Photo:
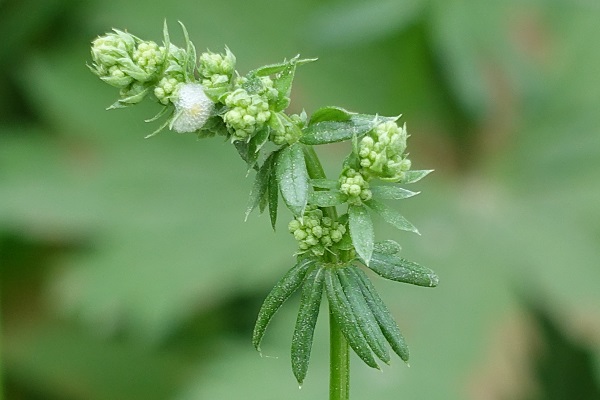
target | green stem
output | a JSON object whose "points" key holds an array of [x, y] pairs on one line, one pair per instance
{"points": [[339, 362], [339, 352]]}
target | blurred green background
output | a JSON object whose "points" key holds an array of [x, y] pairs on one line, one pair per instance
{"points": [[127, 272]]}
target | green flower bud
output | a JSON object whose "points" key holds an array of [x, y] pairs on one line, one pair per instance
{"points": [[150, 58], [212, 64], [314, 232], [120, 58], [353, 184], [381, 151], [247, 114]]}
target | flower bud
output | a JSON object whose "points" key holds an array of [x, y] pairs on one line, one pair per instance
{"points": [[355, 186], [381, 151], [247, 114], [315, 232]]}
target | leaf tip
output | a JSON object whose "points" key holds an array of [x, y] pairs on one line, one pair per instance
{"points": [[433, 280]]}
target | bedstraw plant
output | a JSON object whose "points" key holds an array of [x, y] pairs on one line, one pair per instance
{"points": [[331, 218]]}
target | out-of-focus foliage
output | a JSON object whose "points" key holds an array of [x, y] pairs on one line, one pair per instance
{"points": [[126, 273]]}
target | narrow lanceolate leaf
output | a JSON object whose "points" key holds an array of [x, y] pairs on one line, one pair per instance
{"points": [[392, 192], [391, 216], [249, 156], [258, 140], [398, 269], [384, 318], [259, 189], [361, 231], [278, 295], [302, 339], [415, 176], [387, 247], [273, 193], [292, 177], [335, 131], [364, 317], [330, 114], [327, 198], [324, 183], [345, 318]]}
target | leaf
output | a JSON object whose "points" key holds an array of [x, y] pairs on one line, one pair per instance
{"points": [[384, 318], [361, 231], [401, 270], [387, 247], [327, 198], [335, 131], [392, 192], [308, 314], [259, 189], [292, 177], [415, 176], [273, 192], [391, 216], [258, 140], [283, 83], [342, 312], [272, 69], [330, 114], [249, 156], [324, 183], [364, 317], [282, 290]]}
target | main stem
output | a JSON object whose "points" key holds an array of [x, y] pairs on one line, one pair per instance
{"points": [[339, 352]]}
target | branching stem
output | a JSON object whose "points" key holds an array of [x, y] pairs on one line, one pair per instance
{"points": [[339, 352]]}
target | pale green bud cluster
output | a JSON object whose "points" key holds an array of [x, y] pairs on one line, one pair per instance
{"points": [[216, 69], [292, 130], [149, 57], [287, 136], [247, 114], [381, 152], [173, 75], [353, 184], [314, 232], [128, 63]]}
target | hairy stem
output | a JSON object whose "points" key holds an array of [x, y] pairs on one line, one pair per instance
{"points": [[339, 352]]}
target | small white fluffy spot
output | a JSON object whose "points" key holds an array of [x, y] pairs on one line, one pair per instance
{"points": [[192, 108]]}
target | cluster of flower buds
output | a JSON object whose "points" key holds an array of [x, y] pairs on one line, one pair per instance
{"points": [[291, 131], [314, 232], [247, 113], [381, 152], [173, 75], [128, 63], [353, 184], [216, 69], [184, 83]]}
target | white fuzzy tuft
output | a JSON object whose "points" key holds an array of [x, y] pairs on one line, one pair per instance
{"points": [[192, 108]]}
